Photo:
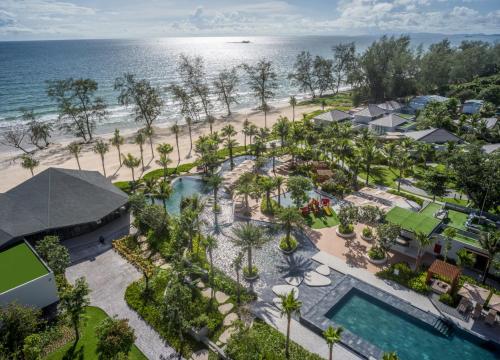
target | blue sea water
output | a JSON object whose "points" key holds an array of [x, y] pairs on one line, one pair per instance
{"points": [[26, 66]]}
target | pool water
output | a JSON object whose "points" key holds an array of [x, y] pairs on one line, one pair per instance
{"points": [[181, 188], [392, 330]]}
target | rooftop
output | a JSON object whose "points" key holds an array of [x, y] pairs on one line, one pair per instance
{"points": [[21, 264], [432, 135], [371, 110], [390, 120], [489, 148], [391, 105], [334, 115], [412, 221]]}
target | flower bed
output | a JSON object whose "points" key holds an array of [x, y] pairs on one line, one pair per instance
{"points": [[406, 277]]}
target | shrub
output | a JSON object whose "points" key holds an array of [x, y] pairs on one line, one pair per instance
{"points": [[132, 255], [447, 299], [376, 253], [406, 277], [263, 206], [419, 283], [250, 272], [346, 229], [293, 244], [367, 232]]}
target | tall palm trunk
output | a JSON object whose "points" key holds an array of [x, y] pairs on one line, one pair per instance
{"points": [[78, 162], [249, 255], [103, 168], [287, 346]]}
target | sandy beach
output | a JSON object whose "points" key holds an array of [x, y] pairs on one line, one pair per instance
{"points": [[56, 155]]}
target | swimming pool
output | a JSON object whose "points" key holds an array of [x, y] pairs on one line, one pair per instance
{"points": [[392, 330], [183, 187]]}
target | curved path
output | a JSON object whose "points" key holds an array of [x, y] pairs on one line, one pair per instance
{"points": [[108, 275]]}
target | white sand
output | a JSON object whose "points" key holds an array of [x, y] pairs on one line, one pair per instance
{"points": [[12, 174]]}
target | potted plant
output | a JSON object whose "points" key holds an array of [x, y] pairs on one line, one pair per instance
{"points": [[377, 256], [288, 218], [347, 216], [387, 234], [367, 234]]}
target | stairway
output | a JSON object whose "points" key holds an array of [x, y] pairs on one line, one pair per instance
{"points": [[443, 326]]}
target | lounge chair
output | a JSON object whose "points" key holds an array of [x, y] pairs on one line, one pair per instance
{"points": [[491, 318], [464, 305]]}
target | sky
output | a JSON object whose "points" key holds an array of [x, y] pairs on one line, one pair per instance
{"points": [[74, 19]]}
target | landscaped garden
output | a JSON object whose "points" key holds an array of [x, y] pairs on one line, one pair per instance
{"points": [[412, 221]]}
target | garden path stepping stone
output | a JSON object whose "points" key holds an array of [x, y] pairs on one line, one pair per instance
{"points": [[224, 337], [323, 270], [230, 319], [200, 285], [312, 278], [200, 355], [285, 289], [207, 293], [294, 280], [226, 308], [221, 297]]}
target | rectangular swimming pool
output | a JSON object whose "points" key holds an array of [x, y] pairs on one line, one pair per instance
{"points": [[392, 330]]}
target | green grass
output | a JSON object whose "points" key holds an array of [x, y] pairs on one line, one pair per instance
{"points": [[412, 221], [320, 222], [341, 101], [465, 239], [457, 219], [430, 209], [381, 175], [19, 265], [86, 347]]}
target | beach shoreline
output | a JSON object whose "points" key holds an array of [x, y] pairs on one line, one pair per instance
{"points": [[56, 155]]}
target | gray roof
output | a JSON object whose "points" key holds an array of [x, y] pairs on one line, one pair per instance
{"points": [[57, 198], [489, 148], [391, 120], [371, 110], [334, 115], [490, 122], [419, 102], [391, 105], [433, 136]]}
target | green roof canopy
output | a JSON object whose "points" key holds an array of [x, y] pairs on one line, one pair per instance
{"points": [[412, 221]]}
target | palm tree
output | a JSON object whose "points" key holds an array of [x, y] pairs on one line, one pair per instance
{"points": [[267, 184], [423, 240], [214, 182], [101, 148], [210, 121], [140, 139], [246, 127], [176, 130], [189, 122], [149, 132], [368, 151], [289, 306], [237, 262], [163, 191], [131, 162], [449, 234], [293, 103], [210, 243], [228, 132], [282, 129], [30, 163], [290, 217], [75, 149], [149, 187], [390, 356], [117, 141], [491, 243], [249, 237], [332, 336], [279, 180], [402, 162], [164, 161], [252, 131]]}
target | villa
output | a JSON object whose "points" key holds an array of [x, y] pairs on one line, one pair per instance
{"points": [[432, 136], [331, 116], [472, 106], [392, 106], [490, 148], [391, 123], [420, 102], [369, 113]]}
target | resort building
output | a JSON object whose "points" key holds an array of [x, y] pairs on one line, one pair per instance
{"points": [[331, 117], [432, 136], [369, 113], [25, 279], [490, 148], [61, 202], [472, 106], [420, 102], [391, 123], [391, 106]]}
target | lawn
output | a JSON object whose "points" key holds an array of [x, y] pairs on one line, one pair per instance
{"points": [[320, 222], [381, 175], [341, 101], [19, 265], [412, 221], [85, 349], [430, 209], [457, 219]]}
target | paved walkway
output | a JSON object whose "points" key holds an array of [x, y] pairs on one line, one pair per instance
{"points": [[108, 275], [420, 301], [299, 333]]}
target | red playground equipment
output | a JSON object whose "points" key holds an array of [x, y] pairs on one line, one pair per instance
{"points": [[316, 207]]}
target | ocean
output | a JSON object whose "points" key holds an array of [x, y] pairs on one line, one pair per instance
{"points": [[26, 66]]}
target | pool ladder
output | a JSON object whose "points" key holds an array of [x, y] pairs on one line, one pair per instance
{"points": [[443, 327]]}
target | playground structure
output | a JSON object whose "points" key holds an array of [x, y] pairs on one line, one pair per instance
{"points": [[317, 208]]}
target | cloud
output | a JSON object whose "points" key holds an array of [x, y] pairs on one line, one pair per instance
{"points": [[6, 19]]}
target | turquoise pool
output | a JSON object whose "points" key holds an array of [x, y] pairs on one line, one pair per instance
{"points": [[181, 188], [392, 330]]}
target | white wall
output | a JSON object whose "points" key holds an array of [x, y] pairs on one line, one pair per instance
{"points": [[39, 292]]}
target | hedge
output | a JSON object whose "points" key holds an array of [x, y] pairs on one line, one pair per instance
{"points": [[407, 277]]}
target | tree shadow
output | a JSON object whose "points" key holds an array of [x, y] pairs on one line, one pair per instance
{"points": [[294, 265], [75, 352]]}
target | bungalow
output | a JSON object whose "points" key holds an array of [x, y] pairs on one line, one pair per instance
{"points": [[472, 106], [490, 123], [391, 106], [59, 202], [433, 136], [369, 113], [331, 116], [390, 123], [420, 102], [490, 148]]}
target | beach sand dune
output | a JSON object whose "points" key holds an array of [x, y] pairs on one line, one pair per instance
{"points": [[12, 174]]}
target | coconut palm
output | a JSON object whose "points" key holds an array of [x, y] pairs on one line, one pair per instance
{"points": [[368, 152], [423, 240], [245, 131], [149, 187], [75, 149], [210, 243], [101, 148], [140, 139], [293, 103], [214, 183], [449, 234], [252, 131], [117, 141], [164, 161], [290, 306], [402, 162], [237, 263], [176, 130], [490, 242], [288, 218], [279, 180], [131, 162], [282, 128], [162, 191], [267, 184], [332, 336], [248, 237], [30, 163], [164, 150]]}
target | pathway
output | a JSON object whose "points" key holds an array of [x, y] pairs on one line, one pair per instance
{"points": [[108, 275]]}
